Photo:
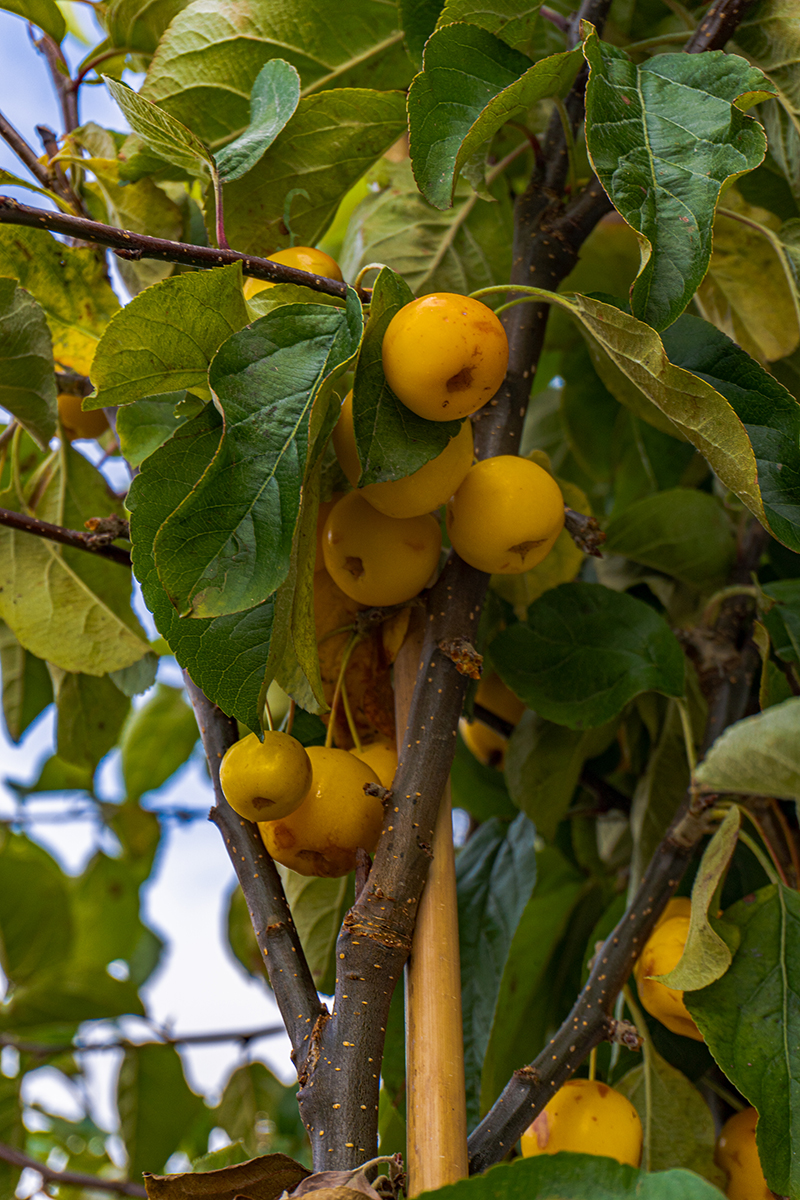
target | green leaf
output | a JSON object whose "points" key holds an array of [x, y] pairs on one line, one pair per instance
{"points": [[156, 1106], [567, 1176], [70, 284], [228, 546], [783, 621], [91, 712], [682, 1127], [318, 906], [480, 790], [64, 605], [251, 1094], [525, 1001], [44, 13], [751, 1024], [157, 741], [209, 58], [681, 532], [464, 248], [139, 24], [35, 909], [273, 100], [664, 174], [106, 915], [706, 956], [65, 998], [470, 85], [418, 18], [769, 413], [543, 765], [143, 427], [585, 652], [495, 875], [392, 441], [332, 139], [138, 677], [510, 20], [165, 338], [56, 775], [758, 756], [225, 656], [27, 382], [165, 136], [27, 689], [12, 1132]]}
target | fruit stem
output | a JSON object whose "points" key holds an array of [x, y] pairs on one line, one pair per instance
{"points": [[765, 863], [290, 716], [348, 650], [569, 143], [688, 735], [593, 1064], [268, 715], [759, 828], [349, 714], [641, 1025]]}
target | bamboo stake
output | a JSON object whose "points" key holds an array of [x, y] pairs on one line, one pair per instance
{"points": [[435, 1100]]}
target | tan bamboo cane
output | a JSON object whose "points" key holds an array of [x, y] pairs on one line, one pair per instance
{"points": [[435, 1101]]}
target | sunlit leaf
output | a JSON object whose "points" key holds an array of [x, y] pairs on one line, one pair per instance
{"points": [[160, 132], [44, 13], [27, 689], [758, 756], [157, 741], [510, 20], [156, 1106]]}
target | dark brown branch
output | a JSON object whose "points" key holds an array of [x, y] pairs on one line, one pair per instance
{"points": [[718, 25], [70, 1178], [139, 245], [278, 941], [26, 154], [62, 184], [66, 537], [48, 1049]]}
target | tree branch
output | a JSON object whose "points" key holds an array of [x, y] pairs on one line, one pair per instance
{"points": [[48, 1049], [139, 245], [93, 542], [26, 154], [62, 80], [289, 974], [718, 25], [71, 1178]]}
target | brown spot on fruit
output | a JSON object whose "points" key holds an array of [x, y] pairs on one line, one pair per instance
{"points": [[263, 802], [461, 381], [284, 838], [524, 548], [354, 565]]}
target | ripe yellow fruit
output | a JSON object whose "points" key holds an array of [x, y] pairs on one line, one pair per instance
{"points": [[428, 488], [335, 818], [737, 1154], [375, 559], [76, 422], [586, 1117], [265, 779], [661, 953], [444, 355], [325, 509], [382, 757], [487, 744], [506, 516], [303, 258]]}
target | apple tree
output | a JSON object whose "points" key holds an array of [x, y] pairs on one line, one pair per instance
{"points": [[616, 722]]}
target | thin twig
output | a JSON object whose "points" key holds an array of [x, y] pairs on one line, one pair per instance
{"points": [[139, 245], [65, 537], [70, 1178], [48, 1050], [718, 25]]}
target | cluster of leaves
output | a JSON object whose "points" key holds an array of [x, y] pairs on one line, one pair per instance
{"points": [[650, 416]]}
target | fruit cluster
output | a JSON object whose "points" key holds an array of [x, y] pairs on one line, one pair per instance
{"points": [[444, 356]]}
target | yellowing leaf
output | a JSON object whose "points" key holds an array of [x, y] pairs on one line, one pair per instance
{"points": [[749, 292]]}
